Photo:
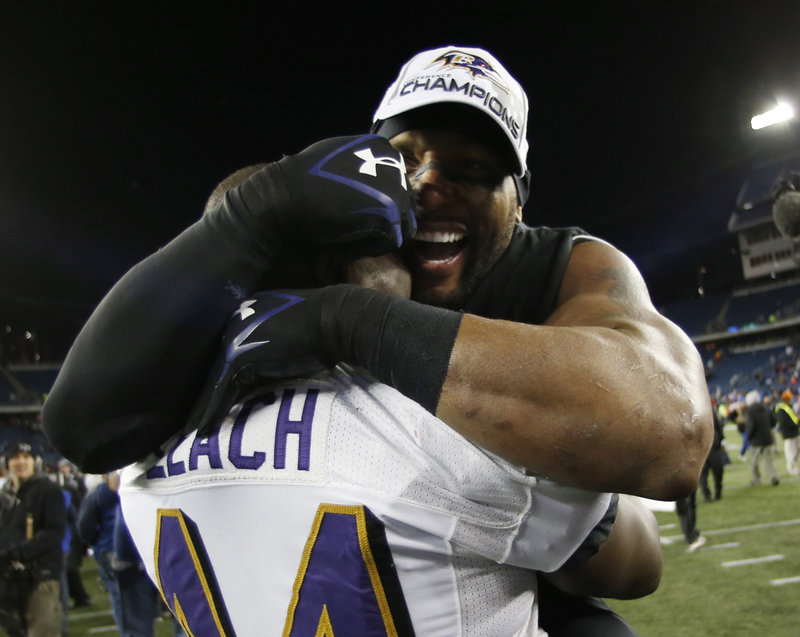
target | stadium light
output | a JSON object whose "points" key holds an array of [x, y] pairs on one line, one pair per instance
{"points": [[780, 113]]}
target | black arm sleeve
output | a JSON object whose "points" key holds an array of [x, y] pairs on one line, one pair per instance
{"points": [[136, 367]]}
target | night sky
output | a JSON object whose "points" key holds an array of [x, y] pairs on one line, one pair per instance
{"points": [[117, 120]]}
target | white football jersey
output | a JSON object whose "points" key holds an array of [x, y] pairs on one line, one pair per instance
{"points": [[336, 506]]}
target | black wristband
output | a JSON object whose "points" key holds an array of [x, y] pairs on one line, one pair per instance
{"points": [[404, 344]]}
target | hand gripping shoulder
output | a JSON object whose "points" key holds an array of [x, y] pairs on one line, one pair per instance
{"points": [[351, 190]]}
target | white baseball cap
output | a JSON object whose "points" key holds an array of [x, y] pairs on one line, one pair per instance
{"points": [[461, 75]]}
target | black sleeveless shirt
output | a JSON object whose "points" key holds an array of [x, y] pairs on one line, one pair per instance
{"points": [[523, 285]]}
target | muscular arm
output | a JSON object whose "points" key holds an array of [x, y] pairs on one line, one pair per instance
{"points": [[627, 565], [137, 366], [607, 395]]}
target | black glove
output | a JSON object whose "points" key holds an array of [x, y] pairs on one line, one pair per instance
{"points": [[346, 191], [350, 190], [297, 333], [271, 336]]}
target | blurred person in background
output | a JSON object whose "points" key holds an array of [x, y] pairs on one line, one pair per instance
{"points": [[758, 423], [32, 526], [686, 508], [96, 519], [789, 428], [715, 463], [140, 601], [736, 413], [72, 482]]}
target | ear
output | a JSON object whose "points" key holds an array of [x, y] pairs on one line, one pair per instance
{"points": [[523, 185]]}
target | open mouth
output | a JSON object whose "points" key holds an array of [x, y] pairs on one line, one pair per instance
{"points": [[437, 246]]}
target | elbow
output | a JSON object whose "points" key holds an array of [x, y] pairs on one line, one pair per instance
{"points": [[649, 577], [65, 422], [66, 435], [646, 559], [682, 457], [650, 584], [59, 429], [679, 476], [99, 437], [676, 488], [646, 583], [89, 447]]}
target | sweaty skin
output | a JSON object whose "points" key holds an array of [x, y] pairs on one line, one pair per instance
{"points": [[607, 394]]}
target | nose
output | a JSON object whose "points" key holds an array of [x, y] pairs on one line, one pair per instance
{"points": [[431, 185]]}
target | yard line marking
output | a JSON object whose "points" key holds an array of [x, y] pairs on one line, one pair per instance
{"points": [[102, 629], [88, 614], [729, 545], [753, 560], [785, 580], [665, 527], [752, 527]]}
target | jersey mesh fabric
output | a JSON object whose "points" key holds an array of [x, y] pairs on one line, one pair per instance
{"points": [[452, 513], [486, 588], [418, 459]]}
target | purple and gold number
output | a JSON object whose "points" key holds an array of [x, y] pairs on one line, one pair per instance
{"points": [[185, 577], [347, 583]]}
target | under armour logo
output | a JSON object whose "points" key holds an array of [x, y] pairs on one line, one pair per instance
{"points": [[370, 165], [245, 310]]}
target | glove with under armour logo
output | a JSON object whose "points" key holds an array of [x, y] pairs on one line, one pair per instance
{"points": [[298, 333], [345, 191], [351, 190]]}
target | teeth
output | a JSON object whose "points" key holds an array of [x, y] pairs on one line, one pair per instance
{"points": [[438, 237]]}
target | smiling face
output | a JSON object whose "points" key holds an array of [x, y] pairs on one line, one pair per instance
{"points": [[21, 466], [466, 209]]}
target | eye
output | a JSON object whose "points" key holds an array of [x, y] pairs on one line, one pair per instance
{"points": [[475, 166], [411, 163], [480, 170]]}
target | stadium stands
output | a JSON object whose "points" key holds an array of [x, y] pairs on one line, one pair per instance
{"points": [[748, 339], [23, 389]]}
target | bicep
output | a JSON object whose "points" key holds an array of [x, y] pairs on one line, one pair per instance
{"points": [[603, 288], [604, 293], [582, 397]]}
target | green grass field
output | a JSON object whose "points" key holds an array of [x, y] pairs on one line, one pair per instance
{"points": [[97, 619], [732, 585], [712, 592]]}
